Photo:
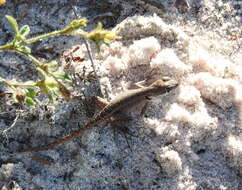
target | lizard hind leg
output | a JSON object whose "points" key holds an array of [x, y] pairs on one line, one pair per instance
{"points": [[117, 130], [116, 121], [118, 126]]}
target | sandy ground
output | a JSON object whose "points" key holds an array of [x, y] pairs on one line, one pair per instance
{"points": [[190, 138]]}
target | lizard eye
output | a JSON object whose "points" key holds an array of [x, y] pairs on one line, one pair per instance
{"points": [[147, 98], [165, 78]]}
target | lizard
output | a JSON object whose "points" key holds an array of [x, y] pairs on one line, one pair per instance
{"points": [[125, 100]]}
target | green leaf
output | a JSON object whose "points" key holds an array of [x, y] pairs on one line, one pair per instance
{"points": [[12, 21], [24, 31], [63, 76], [31, 92], [30, 101]]}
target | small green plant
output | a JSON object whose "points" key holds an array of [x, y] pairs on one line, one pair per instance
{"points": [[52, 82]]}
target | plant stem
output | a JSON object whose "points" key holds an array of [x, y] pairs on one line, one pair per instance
{"points": [[41, 37], [51, 34], [33, 59], [16, 84], [7, 46]]}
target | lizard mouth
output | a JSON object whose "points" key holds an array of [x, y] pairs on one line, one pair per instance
{"points": [[172, 83]]}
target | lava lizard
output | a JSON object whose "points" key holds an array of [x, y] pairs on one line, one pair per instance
{"points": [[127, 99]]}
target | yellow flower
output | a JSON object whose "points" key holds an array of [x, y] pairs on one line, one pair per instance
{"points": [[100, 35]]}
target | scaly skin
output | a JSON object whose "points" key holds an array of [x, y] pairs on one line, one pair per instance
{"points": [[127, 99]]}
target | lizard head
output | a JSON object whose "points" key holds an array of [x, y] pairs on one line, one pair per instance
{"points": [[169, 82], [163, 86]]}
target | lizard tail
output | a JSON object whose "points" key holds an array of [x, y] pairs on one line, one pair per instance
{"points": [[58, 141]]}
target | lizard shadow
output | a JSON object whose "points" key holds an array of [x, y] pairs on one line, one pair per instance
{"points": [[140, 148]]}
